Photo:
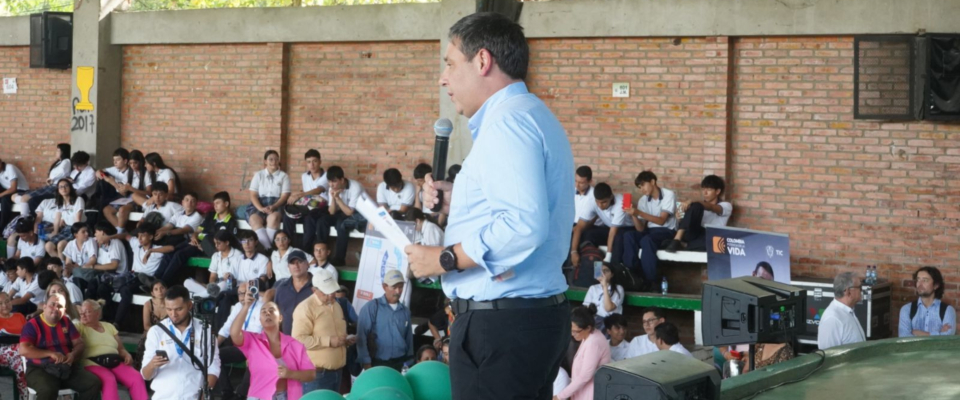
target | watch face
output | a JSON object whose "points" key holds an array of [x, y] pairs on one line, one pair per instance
{"points": [[448, 260]]}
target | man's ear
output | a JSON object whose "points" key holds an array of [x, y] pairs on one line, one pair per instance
{"points": [[483, 61]]}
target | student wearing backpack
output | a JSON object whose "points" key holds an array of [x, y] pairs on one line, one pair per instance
{"points": [[928, 315]]}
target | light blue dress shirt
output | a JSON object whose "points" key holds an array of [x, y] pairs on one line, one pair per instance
{"points": [[927, 319], [511, 205]]}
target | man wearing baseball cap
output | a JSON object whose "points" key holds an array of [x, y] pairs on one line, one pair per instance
{"points": [[318, 323], [384, 333], [288, 293]]}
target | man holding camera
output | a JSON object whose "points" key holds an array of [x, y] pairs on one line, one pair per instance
{"points": [[170, 366]]}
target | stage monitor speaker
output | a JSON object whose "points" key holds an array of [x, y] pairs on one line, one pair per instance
{"points": [[750, 310], [51, 40], [664, 375]]}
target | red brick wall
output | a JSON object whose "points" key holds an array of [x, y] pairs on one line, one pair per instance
{"points": [[365, 106], [850, 193], [35, 119], [673, 122], [210, 110]]}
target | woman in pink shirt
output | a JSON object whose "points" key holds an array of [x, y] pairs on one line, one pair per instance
{"points": [[278, 363], [593, 353]]}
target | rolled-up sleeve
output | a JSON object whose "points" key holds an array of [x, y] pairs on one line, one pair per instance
{"points": [[513, 182]]}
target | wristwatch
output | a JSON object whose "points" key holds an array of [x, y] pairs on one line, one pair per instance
{"points": [[448, 259]]}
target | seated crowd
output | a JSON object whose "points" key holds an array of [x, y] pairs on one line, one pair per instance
{"points": [[279, 305]]}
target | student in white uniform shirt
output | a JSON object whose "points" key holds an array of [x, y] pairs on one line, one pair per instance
{"points": [[118, 210], [174, 376], [25, 291], [647, 343], [278, 259], [9, 275], [321, 261], [70, 207], [655, 223], [159, 204], [607, 296], [82, 178], [710, 210], [668, 338], [81, 252], [12, 182], [55, 265], [60, 169], [269, 191], [29, 245], [146, 261], [46, 214], [111, 181], [313, 197], [344, 194], [839, 325], [156, 171], [419, 177], [223, 265], [394, 193], [428, 233], [616, 326], [182, 224], [111, 259], [583, 199], [608, 208], [252, 266]]}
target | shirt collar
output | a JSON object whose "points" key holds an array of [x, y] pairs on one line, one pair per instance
{"points": [[589, 188], [659, 195], [843, 307], [500, 96], [244, 255]]}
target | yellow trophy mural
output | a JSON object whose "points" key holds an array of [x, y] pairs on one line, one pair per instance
{"points": [[84, 83]]}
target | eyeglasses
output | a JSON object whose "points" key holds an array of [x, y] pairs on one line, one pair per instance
{"points": [[651, 321], [248, 241]]}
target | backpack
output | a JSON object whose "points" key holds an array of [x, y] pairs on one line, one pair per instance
{"points": [[623, 277], [583, 273], [915, 304]]}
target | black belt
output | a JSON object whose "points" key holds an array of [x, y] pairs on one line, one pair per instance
{"points": [[461, 306]]}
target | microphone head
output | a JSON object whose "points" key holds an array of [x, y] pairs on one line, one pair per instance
{"points": [[443, 127], [213, 289]]}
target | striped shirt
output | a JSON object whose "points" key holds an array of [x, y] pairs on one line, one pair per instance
{"points": [[58, 337]]}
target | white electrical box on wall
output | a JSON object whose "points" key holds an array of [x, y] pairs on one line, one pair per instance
{"points": [[621, 89]]}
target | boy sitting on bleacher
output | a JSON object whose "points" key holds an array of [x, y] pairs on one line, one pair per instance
{"points": [[146, 261], [711, 210], [165, 209], [201, 243], [180, 227]]}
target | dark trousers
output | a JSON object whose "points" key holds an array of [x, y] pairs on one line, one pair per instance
{"points": [[694, 234], [86, 384], [508, 354], [129, 288], [25, 308], [229, 354], [395, 363], [106, 192], [174, 261], [309, 237], [225, 301], [6, 207], [598, 236], [344, 225], [649, 240]]}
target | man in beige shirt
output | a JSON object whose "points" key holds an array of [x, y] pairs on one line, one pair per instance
{"points": [[319, 324]]}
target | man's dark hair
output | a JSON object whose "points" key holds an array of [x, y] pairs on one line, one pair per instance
{"points": [[502, 37], [602, 191], [765, 265], [584, 171], [615, 320], [45, 278], [312, 153], [122, 153], [334, 173], [644, 177], [160, 187], [937, 279], [244, 234], [393, 178], [222, 196], [713, 182], [657, 312], [80, 158], [147, 228], [192, 194], [177, 292], [10, 265], [27, 264], [24, 225], [421, 170], [584, 317], [53, 261], [668, 333], [413, 214], [106, 227]]}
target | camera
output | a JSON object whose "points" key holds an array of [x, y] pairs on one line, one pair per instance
{"points": [[204, 306], [254, 287]]}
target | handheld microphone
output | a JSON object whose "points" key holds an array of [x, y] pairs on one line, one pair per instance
{"points": [[442, 128]]}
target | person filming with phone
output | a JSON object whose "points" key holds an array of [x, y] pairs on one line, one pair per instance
{"points": [[170, 366]]}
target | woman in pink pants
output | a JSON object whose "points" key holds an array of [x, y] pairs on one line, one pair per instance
{"points": [[105, 357]]}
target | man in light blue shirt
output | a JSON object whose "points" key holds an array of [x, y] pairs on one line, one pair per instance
{"points": [[928, 315], [509, 223]]}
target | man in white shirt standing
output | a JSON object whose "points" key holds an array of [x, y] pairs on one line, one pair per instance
{"points": [[839, 325], [174, 375], [654, 222]]}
